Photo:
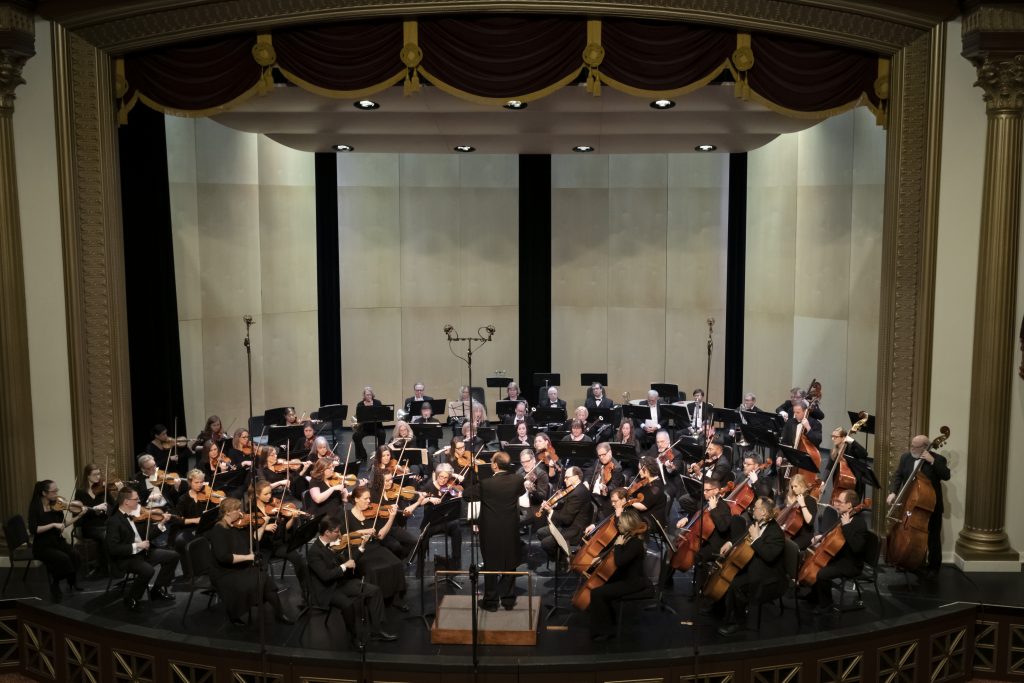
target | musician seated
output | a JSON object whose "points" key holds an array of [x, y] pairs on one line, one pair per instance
{"points": [[649, 428], [596, 398], [853, 449], [274, 541], [757, 477], [604, 476], [669, 463], [570, 516], [153, 492], [321, 450], [473, 443], [537, 488], [798, 495], [384, 489], [581, 414], [848, 563], [240, 450], [130, 552], [514, 393], [576, 434], [213, 462], [166, 451], [764, 576], [190, 509], [546, 456], [628, 553], [441, 488], [308, 435], [617, 498], [714, 466], [654, 504], [362, 428], [418, 394], [552, 400], [721, 516], [426, 416], [333, 582], [522, 437], [402, 435], [521, 415], [287, 481]]}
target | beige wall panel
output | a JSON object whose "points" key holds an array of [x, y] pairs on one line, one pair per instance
{"points": [[371, 351], [636, 346], [429, 170], [686, 335], [185, 243], [181, 149], [224, 155], [579, 170], [956, 272], [502, 353], [773, 165], [430, 256], [288, 247], [824, 152], [579, 343], [489, 242], [697, 240], [820, 353], [637, 248], [823, 250], [224, 370], [865, 295], [280, 165], [767, 356], [292, 375], [698, 170], [489, 170], [228, 238], [193, 383], [367, 170], [771, 251], [868, 149], [579, 246], [369, 243], [638, 170], [425, 354]]}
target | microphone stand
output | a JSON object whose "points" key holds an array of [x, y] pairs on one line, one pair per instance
{"points": [[248, 361], [711, 346], [474, 569]]}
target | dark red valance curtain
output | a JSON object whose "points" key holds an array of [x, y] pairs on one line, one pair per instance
{"points": [[342, 57]]}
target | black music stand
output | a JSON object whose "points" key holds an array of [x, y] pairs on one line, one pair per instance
{"points": [[275, 416], [427, 432], [207, 520], [549, 416], [542, 381], [487, 434], [867, 430], [679, 415], [286, 436], [604, 415], [798, 458], [503, 408], [515, 449], [624, 452], [499, 382], [508, 432], [335, 415], [437, 407], [374, 415], [666, 391], [579, 453], [637, 412], [863, 471]]}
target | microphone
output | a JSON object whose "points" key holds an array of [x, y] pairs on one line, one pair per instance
{"points": [[490, 330], [448, 329], [247, 319]]}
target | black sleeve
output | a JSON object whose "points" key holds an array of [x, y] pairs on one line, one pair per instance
{"points": [[814, 435], [940, 469], [618, 478], [722, 517], [325, 571], [566, 515], [770, 543], [628, 552], [856, 533], [899, 475]]}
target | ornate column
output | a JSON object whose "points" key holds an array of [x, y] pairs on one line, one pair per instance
{"points": [[17, 454], [988, 32]]}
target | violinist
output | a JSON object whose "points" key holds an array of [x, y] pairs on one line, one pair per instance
{"points": [[669, 463], [362, 428], [385, 462], [796, 396], [934, 468], [426, 416], [165, 451], [95, 496], [48, 516], [213, 431], [576, 433], [764, 576], [384, 489], [290, 418], [308, 436], [402, 435], [853, 450], [191, 506], [722, 518], [130, 552], [479, 416], [322, 451], [332, 582], [152, 491], [274, 541], [536, 487], [287, 479], [547, 457], [628, 579], [212, 461], [848, 563], [604, 477], [570, 516], [520, 416], [714, 466], [473, 443], [378, 564], [654, 504], [326, 497], [234, 573], [240, 450], [441, 488], [596, 398], [799, 495]]}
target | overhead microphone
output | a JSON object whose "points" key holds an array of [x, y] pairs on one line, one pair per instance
{"points": [[247, 319]]}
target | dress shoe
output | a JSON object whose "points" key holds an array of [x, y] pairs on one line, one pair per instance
{"points": [[283, 618], [509, 606], [400, 606], [384, 636], [728, 629], [490, 607], [358, 644], [132, 604], [160, 595]]}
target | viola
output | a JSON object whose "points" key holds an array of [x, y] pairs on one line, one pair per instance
{"points": [[155, 515], [606, 471], [340, 480], [248, 520], [394, 492], [276, 508], [377, 510], [346, 541], [160, 477], [828, 547], [210, 496], [556, 498], [284, 465], [62, 505], [548, 457]]}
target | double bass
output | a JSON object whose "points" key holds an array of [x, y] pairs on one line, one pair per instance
{"points": [[844, 478], [828, 547], [906, 544]]}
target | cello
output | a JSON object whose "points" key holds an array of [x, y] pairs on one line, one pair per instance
{"points": [[844, 478], [696, 532], [906, 544], [602, 569], [604, 535], [828, 547], [730, 566]]}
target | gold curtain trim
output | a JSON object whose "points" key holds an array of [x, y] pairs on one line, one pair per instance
{"points": [[343, 94], [263, 54], [819, 115], [479, 99], [593, 55], [741, 61], [125, 109], [200, 113], [412, 56], [881, 86], [655, 94]]}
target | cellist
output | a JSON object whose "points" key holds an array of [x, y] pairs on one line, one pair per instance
{"points": [[721, 515], [935, 469], [764, 576], [848, 563], [628, 555]]}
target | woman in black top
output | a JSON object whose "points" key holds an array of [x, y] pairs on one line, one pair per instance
{"points": [[166, 452], [799, 495], [400, 541], [378, 564], [277, 531], [325, 498], [93, 493], [290, 482], [653, 507], [48, 545], [236, 578], [628, 579]]}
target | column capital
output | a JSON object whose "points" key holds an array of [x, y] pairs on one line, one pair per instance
{"points": [[992, 35], [17, 44], [1001, 77]]}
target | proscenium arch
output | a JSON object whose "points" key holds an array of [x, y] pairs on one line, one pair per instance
{"points": [[86, 44]]}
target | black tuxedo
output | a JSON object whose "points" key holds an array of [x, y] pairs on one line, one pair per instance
{"points": [[121, 550], [789, 431], [510, 419], [591, 404], [787, 408], [546, 403], [704, 413], [331, 584], [936, 474], [499, 532], [594, 477], [571, 517], [764, 577], [847, 563]]}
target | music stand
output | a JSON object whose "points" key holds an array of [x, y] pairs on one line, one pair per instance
{"points": [[578, 453], [335, 412], [286, 436], [514, 449], [726, 416], [588, 378], [867, 430], [499, 383], [427, 431], [863, 471], [487, 434], [437, 407], [666, 390], [547, 379], [556, 436], [275, 416], [207, 520], [549, 415], [767, 422], [798, 458], [503, 408], [624, 452], [679, 415], [376, 416], [637, 412]]}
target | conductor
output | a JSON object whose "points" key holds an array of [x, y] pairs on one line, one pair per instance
{"points": [[499, 530]]}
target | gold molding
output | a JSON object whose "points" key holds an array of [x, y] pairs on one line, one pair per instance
{"points": [[14, 18], [843, 23], [93, 252], [989, 18]]}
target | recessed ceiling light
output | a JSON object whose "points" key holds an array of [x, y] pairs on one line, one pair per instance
{"points": [[345, 148], [583, 148], [515, 104], [662, 104], [705, 148], [365, 104], [464, 148]]}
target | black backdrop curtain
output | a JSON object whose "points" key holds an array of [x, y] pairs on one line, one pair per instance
{"points": [[153, 346]]}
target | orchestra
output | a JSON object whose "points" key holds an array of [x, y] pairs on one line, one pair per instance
{"points": [[726, 515]]}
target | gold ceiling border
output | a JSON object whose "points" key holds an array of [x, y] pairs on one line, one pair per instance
{"points": [[90, 194]]}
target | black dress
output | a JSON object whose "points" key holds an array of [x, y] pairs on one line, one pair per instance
{"points": [[93, 524], [334, 504], [49, 547], [378, 564], [803, 537], [238, 584], [628, 579]]}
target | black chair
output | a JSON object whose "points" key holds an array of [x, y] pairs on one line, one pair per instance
{"points": [[791, 562], [199, 556], [18, 547], [650, 597], [872, 550], [125, 579], [310, 608]]}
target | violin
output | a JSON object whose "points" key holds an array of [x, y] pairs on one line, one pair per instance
{"points": [[211, 496], [275, 508], [152, 515], [339, 480], [548, 457], [377, 510], [606, 471], [453, 490], [62, 505], [346, 541], [394, 492], [248, 520], [160, 477], [284, 465], [180, 442], [101, 486]]}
